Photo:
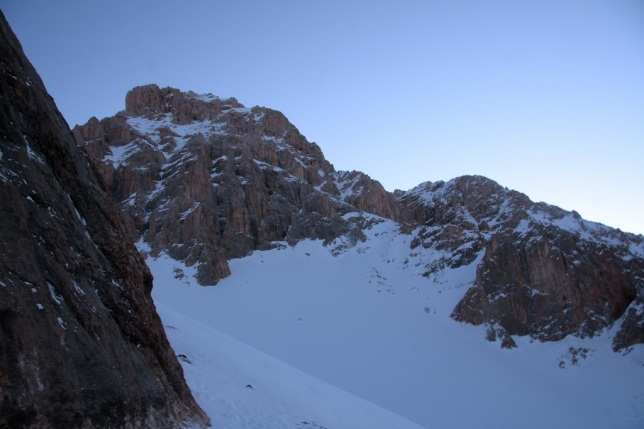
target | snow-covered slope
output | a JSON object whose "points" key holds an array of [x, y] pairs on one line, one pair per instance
{"points": [[362, 318], [373, 306], [242, 388]]}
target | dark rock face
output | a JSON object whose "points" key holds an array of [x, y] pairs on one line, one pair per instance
{"points": [[81, 345], [632, 329], [206, 179], [543, 272], [458, 217], [547, 288]]}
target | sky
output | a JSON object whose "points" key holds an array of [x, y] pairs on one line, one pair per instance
{"points": [[546, 97]]}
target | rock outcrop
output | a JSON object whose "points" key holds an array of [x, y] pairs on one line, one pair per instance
{"points": [[81, 345], [206, 179], [541, 271]]}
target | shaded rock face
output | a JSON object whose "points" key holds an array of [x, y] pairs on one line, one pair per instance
{"points": [[547, 288], [457, 218], [81, 345], [206, 179], [541, 271]]}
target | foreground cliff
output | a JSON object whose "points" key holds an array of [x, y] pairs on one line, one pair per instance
{"points": [[81, 345]]}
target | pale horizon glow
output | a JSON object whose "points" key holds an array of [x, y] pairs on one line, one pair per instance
{"points": [[546, 98]]}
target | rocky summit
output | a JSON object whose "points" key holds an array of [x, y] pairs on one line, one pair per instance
{"points": [[81, 344], [204, 179]]}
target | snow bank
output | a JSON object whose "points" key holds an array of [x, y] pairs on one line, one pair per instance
{"points": [[367, 322]]}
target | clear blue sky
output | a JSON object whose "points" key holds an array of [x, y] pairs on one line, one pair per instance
{"points": [[546, 97]]}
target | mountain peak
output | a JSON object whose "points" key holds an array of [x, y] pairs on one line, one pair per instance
{"points": [[205, 180], [151, 100]]}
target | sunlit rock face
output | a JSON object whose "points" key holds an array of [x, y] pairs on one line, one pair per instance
{"points": [[81, 345], [205, 179]]}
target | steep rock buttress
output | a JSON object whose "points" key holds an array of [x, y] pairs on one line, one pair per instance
{"points": [[81, 345]]}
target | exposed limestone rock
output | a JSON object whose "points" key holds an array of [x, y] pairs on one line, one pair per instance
{"points": [[81, 345], [547, 287], [364, 193], [206, 179], [543, 271]]}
